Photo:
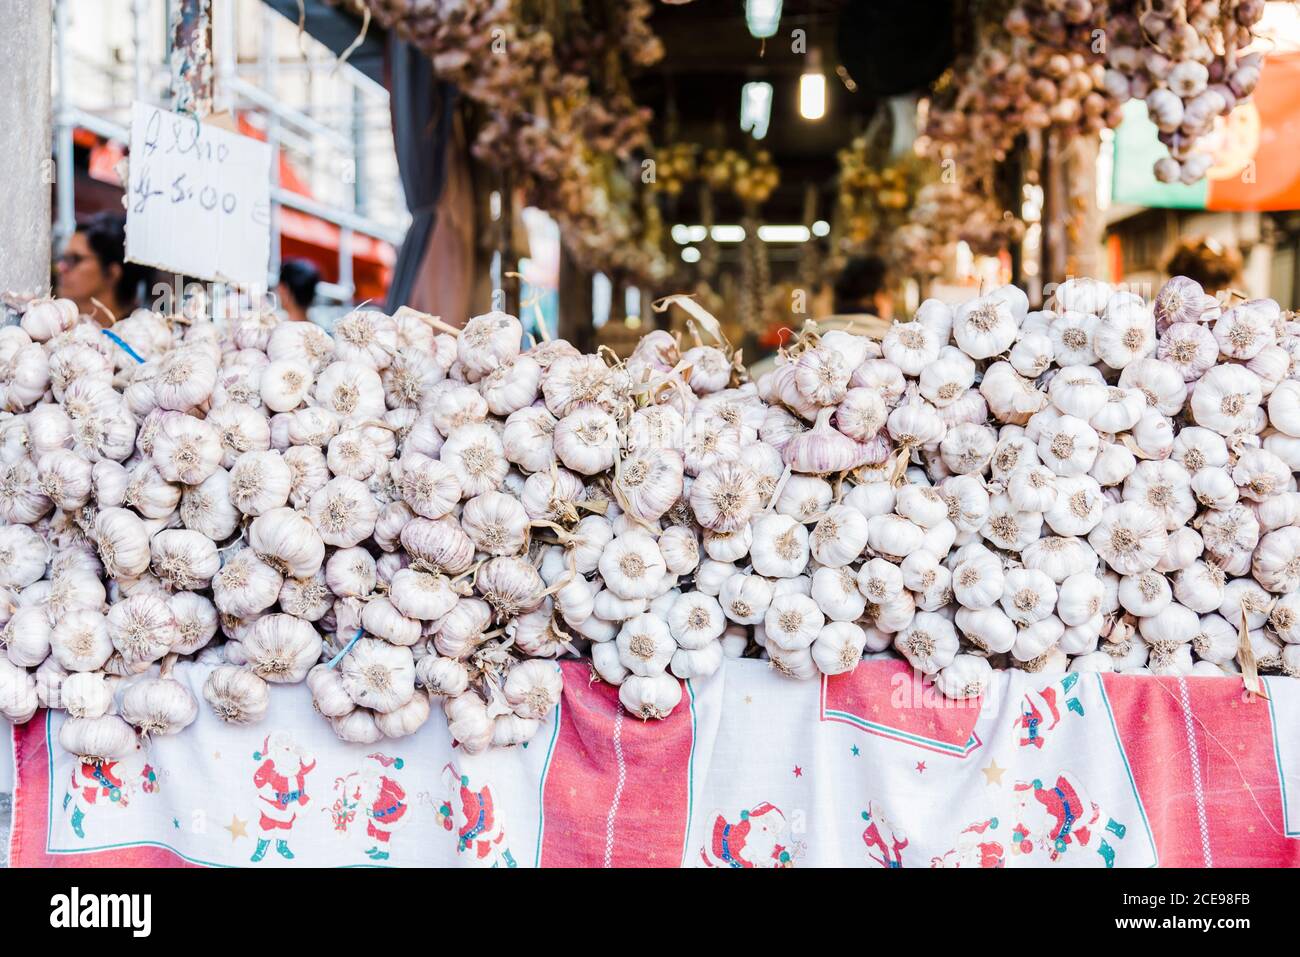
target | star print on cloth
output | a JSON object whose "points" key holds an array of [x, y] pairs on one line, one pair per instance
{"points": [[237, 828], [176, 824], [856, 750], [993, 773], [798, 771], [920, 767]]}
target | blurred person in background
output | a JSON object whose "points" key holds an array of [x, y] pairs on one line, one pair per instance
{"points": [[297, 288], [93, 269], [1215, 266], [862, 301], [862, 288]]}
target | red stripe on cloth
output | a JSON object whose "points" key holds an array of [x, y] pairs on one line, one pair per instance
{"points": [[588, 819], [889, 698], [1240, 785], [31, 820]]}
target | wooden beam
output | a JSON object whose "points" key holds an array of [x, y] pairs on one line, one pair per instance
{"points": [[575, 303]]}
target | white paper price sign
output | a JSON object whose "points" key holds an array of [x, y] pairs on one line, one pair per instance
{"points": [[198, 200]]}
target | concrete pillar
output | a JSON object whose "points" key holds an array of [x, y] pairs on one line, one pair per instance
{"points": [[25, 141]]}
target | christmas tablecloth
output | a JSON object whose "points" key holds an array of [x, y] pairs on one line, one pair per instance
{"points": [[871, 769]]}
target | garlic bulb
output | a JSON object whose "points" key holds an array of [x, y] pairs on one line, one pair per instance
{"points": [[476, 458], [237, 696], [18, 700], [632, 565], [86, 694], [281, 649], [984, 327], [186, 449], [1225, 398], [695, 620], [680, 550], [838, 647], [357, 726], [654, 696], [405, 720], [79, 640], [343, 512], [142, 628], [792, 622], [840, 536], [184, 559], [967, 676], [533, 688], [421, 595], [97, 740], [288, 542], [378, 675], [259, 482], [1129, 538], [780, 548], [328, 694], [122, 542], [510, 585], [245, 585], [929, 643], [427, 485], [379, 617], [835, 591], [159, 706], [645, 645]]}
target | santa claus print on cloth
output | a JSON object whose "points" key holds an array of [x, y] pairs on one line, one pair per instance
{"points": [[105, 784], [977, 846], [885, 842], [384, 800], [472, 816], [373, 791], [93, 783], [760, 838], [281, 783], [1057, 816], [1042, 710]]}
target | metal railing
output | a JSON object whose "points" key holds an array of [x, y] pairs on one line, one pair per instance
{"points": [[285, 126]]}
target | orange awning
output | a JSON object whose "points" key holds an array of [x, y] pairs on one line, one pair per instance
{"points": [[308, 237]]}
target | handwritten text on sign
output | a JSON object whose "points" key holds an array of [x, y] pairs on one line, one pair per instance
{"points": [[198, 200]]}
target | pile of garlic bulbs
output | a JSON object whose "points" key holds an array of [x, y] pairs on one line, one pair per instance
{"points": [[406, 513], [284, 505], [1187, 60]]}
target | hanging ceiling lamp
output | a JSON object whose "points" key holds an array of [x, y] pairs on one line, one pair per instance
{"points": [[762, 17], [756, 108], [812, 88]]}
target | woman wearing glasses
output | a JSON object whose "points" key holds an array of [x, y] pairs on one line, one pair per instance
{"points": [[93, 271]]}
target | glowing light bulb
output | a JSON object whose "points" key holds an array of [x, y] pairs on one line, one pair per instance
{"points": [[812, 96]]}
